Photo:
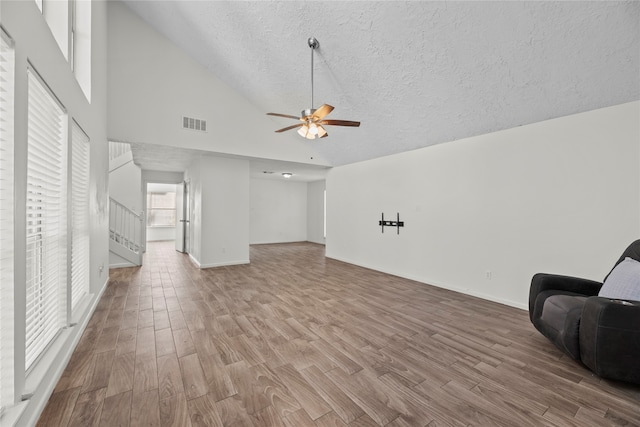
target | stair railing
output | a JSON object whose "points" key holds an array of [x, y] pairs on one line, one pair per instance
{"points": [[125, 226], [117, 149]]}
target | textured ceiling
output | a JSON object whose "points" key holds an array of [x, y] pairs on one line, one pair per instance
{"points": [[414, 73]]}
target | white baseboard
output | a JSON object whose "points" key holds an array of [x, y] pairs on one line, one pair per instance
{"points": [[122, 265], [439, 285], [217, 264]]}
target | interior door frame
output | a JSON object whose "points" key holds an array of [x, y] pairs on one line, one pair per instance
{"points": [[153, 177]]}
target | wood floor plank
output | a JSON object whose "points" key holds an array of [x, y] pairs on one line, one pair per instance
{"points": [[195, 383], [146, 341], [304, 393], [145, 409], [59, 408], [330, 420], [299, 419], [363, 388], [88, 409], [122, 374], [116, 411], [164, 342], [99, 371], [232, 413], [295, 336], [174, 411], [183, 342], [74, 374], [160, 319], [145, 373], [169, 376], [126, 341], [204, 412], [267, 417], [218, 380], [336, 398]]}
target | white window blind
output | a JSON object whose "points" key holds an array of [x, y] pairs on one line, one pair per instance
{"points": [[46, 219], [7, 66], [79, 215]]}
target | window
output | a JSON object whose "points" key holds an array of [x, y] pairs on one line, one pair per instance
{"points": [[56, 13], [80, 57], [80, 151], [161, 209], [7, 66], [46, 257]]}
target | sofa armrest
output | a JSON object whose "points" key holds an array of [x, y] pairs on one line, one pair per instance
{"points": [[545, 282], [610, 338]]}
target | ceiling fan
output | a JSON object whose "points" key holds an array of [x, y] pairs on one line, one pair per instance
{"points": [[312, 120]]}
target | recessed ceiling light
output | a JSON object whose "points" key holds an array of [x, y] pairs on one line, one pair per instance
{"points": [[287, 174]]}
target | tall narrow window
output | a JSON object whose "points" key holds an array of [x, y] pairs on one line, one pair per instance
{"points": [[79, 215], [46, 258], [6, 222], [81, 44]]}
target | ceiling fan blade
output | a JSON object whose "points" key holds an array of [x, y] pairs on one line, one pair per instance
{"points": [[339, 123], [322, 111], [290, 127], [288, 116]]}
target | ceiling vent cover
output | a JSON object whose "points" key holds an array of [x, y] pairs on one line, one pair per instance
{"points": [[194, 124]]}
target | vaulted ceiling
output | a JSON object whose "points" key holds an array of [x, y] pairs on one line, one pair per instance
{"points": [[414, 73]]}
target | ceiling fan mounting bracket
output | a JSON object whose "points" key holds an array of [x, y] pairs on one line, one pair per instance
{"points": [[307, 113]]}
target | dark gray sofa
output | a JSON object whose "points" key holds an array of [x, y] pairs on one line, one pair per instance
{"points": [[602, 333]]}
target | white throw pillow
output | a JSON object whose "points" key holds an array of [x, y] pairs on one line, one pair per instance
{"points": [[623, 282]]}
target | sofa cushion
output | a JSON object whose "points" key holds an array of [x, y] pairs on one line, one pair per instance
{"points": [[560, 322], [556, 307], [623, 282]]}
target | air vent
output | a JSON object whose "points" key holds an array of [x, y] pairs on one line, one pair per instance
{"points": [[267, 172], [194, 124]]}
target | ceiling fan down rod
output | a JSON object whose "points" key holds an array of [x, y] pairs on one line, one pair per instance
{"points": [[313, 44]]}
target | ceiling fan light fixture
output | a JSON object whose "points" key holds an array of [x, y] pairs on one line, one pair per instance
{"points": [[313, 129], [303, 131]]}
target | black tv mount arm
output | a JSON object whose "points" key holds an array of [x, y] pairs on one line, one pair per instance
{"points": [[396, 223]]}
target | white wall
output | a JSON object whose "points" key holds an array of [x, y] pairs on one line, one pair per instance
{"points": [[152, 84], [278, 211], [558, 196], [34, 42], [219, 211], [315, 211]]}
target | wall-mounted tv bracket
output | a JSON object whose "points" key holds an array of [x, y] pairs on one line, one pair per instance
{"points": [[396, 223]]}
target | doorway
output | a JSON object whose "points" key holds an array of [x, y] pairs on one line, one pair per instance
{"points": [[161, 217]]}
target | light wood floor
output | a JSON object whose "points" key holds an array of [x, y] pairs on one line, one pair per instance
{"points": [[294, 339]]}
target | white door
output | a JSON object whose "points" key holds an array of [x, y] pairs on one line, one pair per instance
{"points": [[180, 217], [187, 216]]}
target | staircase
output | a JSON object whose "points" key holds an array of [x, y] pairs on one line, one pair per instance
{"points": [[125, 225], [125, 232]]}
